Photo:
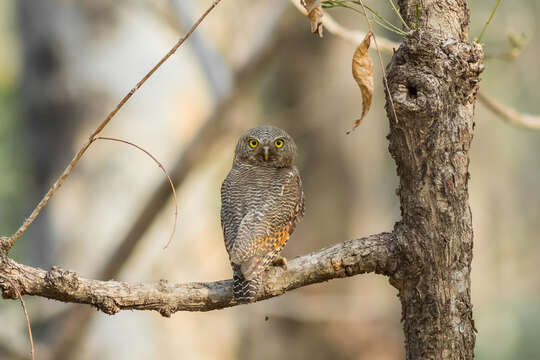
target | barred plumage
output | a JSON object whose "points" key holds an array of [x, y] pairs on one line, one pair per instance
{"points": [[244, 290], [262, 201]]}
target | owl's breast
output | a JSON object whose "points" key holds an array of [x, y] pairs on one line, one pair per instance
{"points": [[263, 183]]}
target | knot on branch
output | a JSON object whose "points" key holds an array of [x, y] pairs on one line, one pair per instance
{"points": [[342, 267], [166, 311], [8, 288], [430, 73], [62, 280], [4, 245], [107, 305]]}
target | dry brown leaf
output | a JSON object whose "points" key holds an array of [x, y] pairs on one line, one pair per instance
{"points": [[315, 14], [362, 71], [315, 17]]}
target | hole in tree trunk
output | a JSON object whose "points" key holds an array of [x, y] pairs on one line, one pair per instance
{"points": [[412, 92]]}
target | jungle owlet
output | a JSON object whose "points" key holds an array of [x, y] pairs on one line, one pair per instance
{"points": [[261, 202]]}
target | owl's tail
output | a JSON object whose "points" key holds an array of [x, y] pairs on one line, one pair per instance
{"points": [[244, 290]]}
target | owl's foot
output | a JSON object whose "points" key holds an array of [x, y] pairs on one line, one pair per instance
{"points": [[281, 262]]}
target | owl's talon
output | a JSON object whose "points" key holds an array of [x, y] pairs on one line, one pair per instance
{"points": [[281, 262]]}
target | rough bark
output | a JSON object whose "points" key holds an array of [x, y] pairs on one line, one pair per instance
{"points": [[370, 254], [433, 79]]}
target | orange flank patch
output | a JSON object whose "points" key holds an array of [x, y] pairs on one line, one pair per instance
{"points": [[281, 237], [275, 241]]}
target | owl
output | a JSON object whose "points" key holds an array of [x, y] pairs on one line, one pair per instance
{"points": [[261, 202]]}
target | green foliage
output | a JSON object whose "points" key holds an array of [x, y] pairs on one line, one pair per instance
{"points": [[479, 39]]}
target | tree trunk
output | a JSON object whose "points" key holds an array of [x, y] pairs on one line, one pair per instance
{"points": [[433, 79]]}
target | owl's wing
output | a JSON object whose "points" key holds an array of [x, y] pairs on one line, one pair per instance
{"points": [[264, 231], [231, 214]]}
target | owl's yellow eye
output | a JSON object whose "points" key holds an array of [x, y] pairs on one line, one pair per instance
{"points": [[279, 143], [253, 143]]}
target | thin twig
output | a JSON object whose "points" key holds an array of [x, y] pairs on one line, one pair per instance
{"points": [[354, 37], [394, 28], [488, 22], [58, 183], [33, 352], [388, 27], [164, 171], [398, 13], [510, 115], [381, 20]]}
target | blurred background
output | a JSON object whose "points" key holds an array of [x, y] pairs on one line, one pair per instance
{"points": [[65, 64]]}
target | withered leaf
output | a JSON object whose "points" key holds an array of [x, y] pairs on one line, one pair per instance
{"points": [[362, 71], [315, 15]]}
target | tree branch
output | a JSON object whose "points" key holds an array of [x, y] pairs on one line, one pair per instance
{"points": [[375, 253], [508, 114]]}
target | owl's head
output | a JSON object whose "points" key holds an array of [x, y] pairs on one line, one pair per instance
{"points": [[266, 146]]}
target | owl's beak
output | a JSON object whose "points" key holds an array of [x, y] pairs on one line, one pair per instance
{"points": [[265, 153]]}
